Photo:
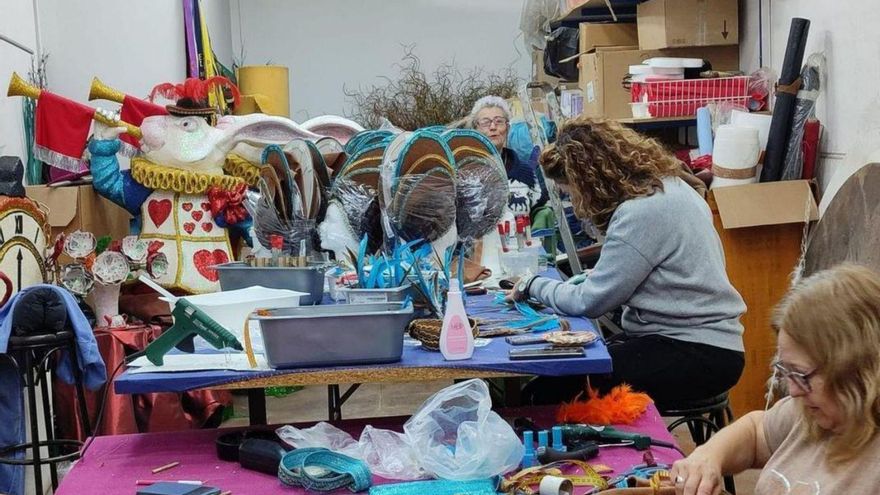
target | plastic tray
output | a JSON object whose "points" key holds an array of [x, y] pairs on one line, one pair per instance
{"points": [[334, 335], [239, 275], [362, 296]]}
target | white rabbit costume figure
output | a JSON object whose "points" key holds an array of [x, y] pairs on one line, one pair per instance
{"points": [[176, 188]]}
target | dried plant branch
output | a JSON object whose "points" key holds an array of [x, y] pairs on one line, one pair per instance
{"points": [[411, 100]]}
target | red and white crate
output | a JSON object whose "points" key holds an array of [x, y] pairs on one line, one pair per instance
{"points": [[682, 98]]}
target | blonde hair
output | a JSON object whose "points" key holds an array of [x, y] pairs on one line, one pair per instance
{"points": [[605, 164], [834, 316]]}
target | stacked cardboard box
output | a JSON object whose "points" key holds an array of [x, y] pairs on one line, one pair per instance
{"points": [[705, 29]]}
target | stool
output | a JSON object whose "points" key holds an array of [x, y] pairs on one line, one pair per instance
{"points": [[703, 417], [30, 356]]}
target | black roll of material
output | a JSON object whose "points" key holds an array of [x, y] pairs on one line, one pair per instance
{"points": [[780, 126]]}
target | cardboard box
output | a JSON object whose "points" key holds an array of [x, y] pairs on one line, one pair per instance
{"points": [[680, 23], [81, 208], [602, 74], [766, 203], [594, 35], [761, 228]]}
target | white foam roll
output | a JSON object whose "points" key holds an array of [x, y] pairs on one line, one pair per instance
{"points": [[555, 485], [736, 150], [758, 121]]}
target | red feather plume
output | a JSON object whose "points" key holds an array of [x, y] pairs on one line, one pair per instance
{"points": [[193, 88]]}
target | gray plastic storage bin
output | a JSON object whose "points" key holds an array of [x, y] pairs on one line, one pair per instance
{"points": [[239, 275], [364, 296], [334, 335]]}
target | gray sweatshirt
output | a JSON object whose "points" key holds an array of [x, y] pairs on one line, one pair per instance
{"points": [[662, 261]]}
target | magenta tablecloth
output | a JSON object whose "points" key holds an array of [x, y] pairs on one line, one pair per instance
{"points": [[113, 463]]}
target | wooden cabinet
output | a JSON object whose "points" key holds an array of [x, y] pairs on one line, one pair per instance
{"points": [[760, 261]]}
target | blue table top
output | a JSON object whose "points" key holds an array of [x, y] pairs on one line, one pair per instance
{"points": [[490, 358]]}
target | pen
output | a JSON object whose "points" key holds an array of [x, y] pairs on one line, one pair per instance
{"points": [[150, 482]]}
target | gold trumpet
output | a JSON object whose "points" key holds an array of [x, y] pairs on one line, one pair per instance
{"points": [[100, 91], [20, 87]]}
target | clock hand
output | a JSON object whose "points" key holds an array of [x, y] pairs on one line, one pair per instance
{"points": [[19, 258]]}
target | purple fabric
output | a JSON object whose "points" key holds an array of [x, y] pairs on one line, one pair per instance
{"points": [[492, 357], [113, 463], [192, 58]]}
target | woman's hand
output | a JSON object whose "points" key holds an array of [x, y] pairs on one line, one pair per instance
{"points": [[697, 475], [519, 292]]}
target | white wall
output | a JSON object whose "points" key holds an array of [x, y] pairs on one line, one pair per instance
{"points": [[333, 44], [849, 107], [132, 46], [17, 23]]}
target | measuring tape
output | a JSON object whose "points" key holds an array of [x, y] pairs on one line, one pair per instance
{"points": [[523, 481]]}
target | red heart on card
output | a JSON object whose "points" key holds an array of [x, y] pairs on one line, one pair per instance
{"points": [[206, 206], [189, 227], [187, 206], [205, 259], [197, 215], [207, 226], [159, 211]]}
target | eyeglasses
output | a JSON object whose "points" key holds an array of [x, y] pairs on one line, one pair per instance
{"points": [[486, 122], [802, 380]]}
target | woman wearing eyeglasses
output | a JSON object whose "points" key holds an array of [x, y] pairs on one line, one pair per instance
{"points": [[491, 117], [823, 438]]}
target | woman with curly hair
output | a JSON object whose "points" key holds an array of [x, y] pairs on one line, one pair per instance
{"points": [[662, 261]]}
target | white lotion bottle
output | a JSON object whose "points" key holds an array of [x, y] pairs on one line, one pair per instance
{"points": [[456, 338]]}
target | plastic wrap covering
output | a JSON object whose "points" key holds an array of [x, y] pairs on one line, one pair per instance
{"points": [[481, 183], [279, 207], [535, 21], [354, 204], [267, 222], [424, 205], [353, 212], [812, 77], [419, 187]]}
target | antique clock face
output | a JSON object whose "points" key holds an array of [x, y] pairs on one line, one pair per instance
{"points": [[22, 244]]}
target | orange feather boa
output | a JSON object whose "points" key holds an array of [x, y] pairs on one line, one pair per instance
{"points": [[621, 406]]}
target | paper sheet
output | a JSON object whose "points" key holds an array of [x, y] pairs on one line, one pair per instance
{"points": [[198, 362]]}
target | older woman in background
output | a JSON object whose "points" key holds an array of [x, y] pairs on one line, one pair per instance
{"points": [[823, 439], [491, 117]]}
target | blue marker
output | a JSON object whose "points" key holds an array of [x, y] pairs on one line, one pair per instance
{"points": [[543, 439], [529, 458], [557, 439]]}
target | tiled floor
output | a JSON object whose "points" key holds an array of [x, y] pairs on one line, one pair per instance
{"points": [[390, 399]]}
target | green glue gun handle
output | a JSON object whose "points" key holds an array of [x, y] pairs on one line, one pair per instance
{"points": [[189, 320]]}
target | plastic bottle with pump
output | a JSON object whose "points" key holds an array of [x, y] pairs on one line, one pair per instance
{"points": [[456, 338]]}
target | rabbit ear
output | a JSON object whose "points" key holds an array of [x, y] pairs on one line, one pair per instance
{"points": [[259, 130]]}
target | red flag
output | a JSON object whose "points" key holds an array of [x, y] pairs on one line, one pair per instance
{"points": [[134, 111], [62, 131]]}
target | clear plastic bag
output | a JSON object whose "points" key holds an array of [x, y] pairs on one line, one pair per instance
{"points": [[387, 453], [535, 21], [459, 437], [454, 435]]}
